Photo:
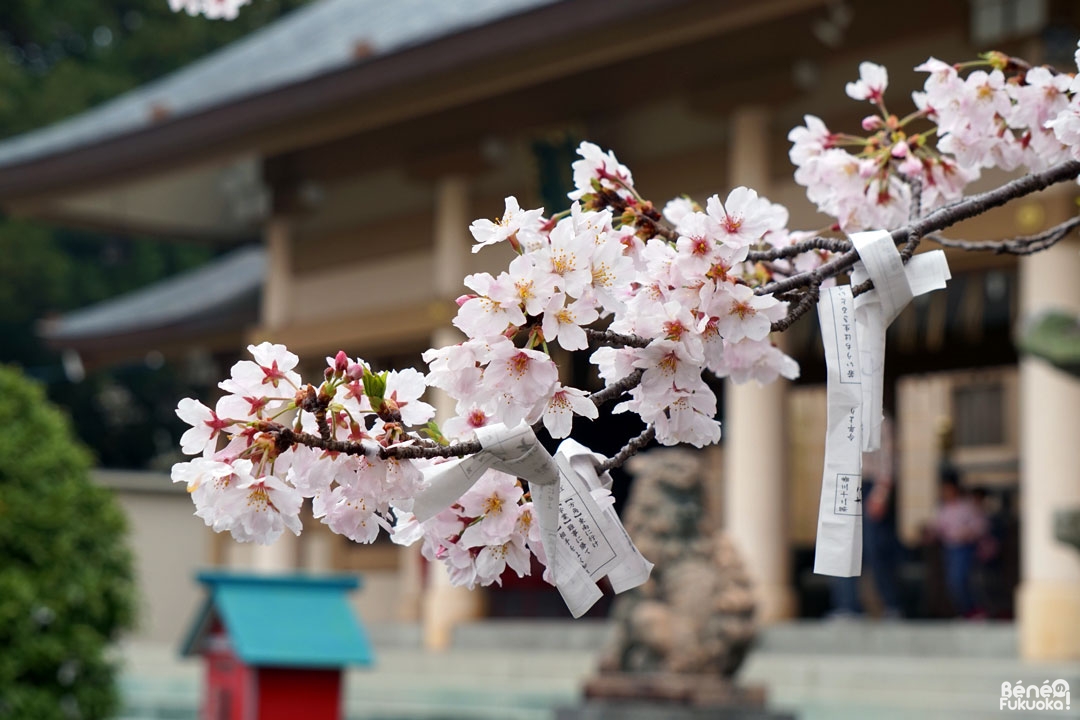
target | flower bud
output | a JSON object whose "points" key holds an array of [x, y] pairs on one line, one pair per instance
{"points": [[872, 123], [355, 371], [341, 362]]}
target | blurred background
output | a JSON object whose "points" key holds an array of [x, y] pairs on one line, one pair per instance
{"points": [[174, 188]]}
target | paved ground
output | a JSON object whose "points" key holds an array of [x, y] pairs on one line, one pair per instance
{"points": [[839, 670]]}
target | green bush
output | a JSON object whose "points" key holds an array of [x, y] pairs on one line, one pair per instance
{"points": [[66, 587]]}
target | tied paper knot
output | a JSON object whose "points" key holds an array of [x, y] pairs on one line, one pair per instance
{"points": [[582, 541], [853, 334]]}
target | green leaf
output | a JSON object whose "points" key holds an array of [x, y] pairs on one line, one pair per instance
{"points": [[375, 387], [432, 431]]}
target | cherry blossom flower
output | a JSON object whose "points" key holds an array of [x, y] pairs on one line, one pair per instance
{"points": [[563, 322], [602, 167], [404, 388], [491, 312], [743, 218], [741, 314], [758, 360], [568, 256], [206, 428], [533, 285], [493, 499], [689, 418], [493, 559], [463, 426], [809, 140], [260, 508], [564, 404], [519, 381], [873, 79], [513, 222], [212, 9], [352, 512]]}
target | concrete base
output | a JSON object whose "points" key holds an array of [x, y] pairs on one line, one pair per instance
{"points": [[1048, 620], [677, 689], [623, 710], [671, 696]]}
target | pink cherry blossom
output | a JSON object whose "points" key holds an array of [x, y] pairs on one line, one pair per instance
{"points": [[260, 508], [873, 79], [563, 322], [206, 428], [564, 404], [514, 222], [491, 312], [603, 167]]}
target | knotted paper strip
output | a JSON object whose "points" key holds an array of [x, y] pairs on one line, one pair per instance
{"points": [[582, 541], [838, 549], [895, 284]]}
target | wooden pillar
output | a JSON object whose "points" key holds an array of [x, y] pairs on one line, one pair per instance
{"points": [[1048, 600], [283, 554], [755, 446], [277, 290], [444, 605]]}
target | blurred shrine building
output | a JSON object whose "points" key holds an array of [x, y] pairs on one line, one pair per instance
{"points": [[337, 157]]}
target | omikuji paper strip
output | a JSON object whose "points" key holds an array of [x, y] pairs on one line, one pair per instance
{"points": [[838, 549]]}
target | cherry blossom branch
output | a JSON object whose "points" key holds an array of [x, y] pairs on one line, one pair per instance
{"points": [[1025, 245], [286, 437], [938, 220], [650, 222], [617, 388], [607, 337], [806, 301], [631, 448], [836, 245]]}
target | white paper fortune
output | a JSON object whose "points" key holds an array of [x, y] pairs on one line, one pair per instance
{"points": [[838, 550], [582, 541], [895, 284]]}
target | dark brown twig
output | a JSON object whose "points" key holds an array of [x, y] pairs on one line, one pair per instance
{"points": [[790, 251], [939, 220], [607, 337], [1026, 245], [631, 448], [616, 389], [806, 301]]}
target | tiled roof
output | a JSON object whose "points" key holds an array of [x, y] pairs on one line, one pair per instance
{"points": [[211, 289], [311, 41], [286, 620]]}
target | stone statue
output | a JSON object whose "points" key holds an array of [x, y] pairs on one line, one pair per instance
{"points": [[695, 614]]}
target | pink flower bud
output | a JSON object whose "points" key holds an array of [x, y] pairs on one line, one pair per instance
{"points": [[464, 299], [871, 123], [341, 361], [900, 150], [355, 371]]}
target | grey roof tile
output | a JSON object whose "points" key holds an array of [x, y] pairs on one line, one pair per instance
{"points": [[211, 288], [309, 42]]}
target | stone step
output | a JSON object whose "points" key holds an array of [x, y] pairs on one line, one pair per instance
{"points": [[562, 635], [911, 638], [961, 675], [901, 704], [828, 686]]}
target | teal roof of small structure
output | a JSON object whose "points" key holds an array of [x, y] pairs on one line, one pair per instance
{"points": [[290, 620]]}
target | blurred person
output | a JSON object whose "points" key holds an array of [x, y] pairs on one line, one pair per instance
{"points": [[989, 567], [881, 544], [960, 525]]}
